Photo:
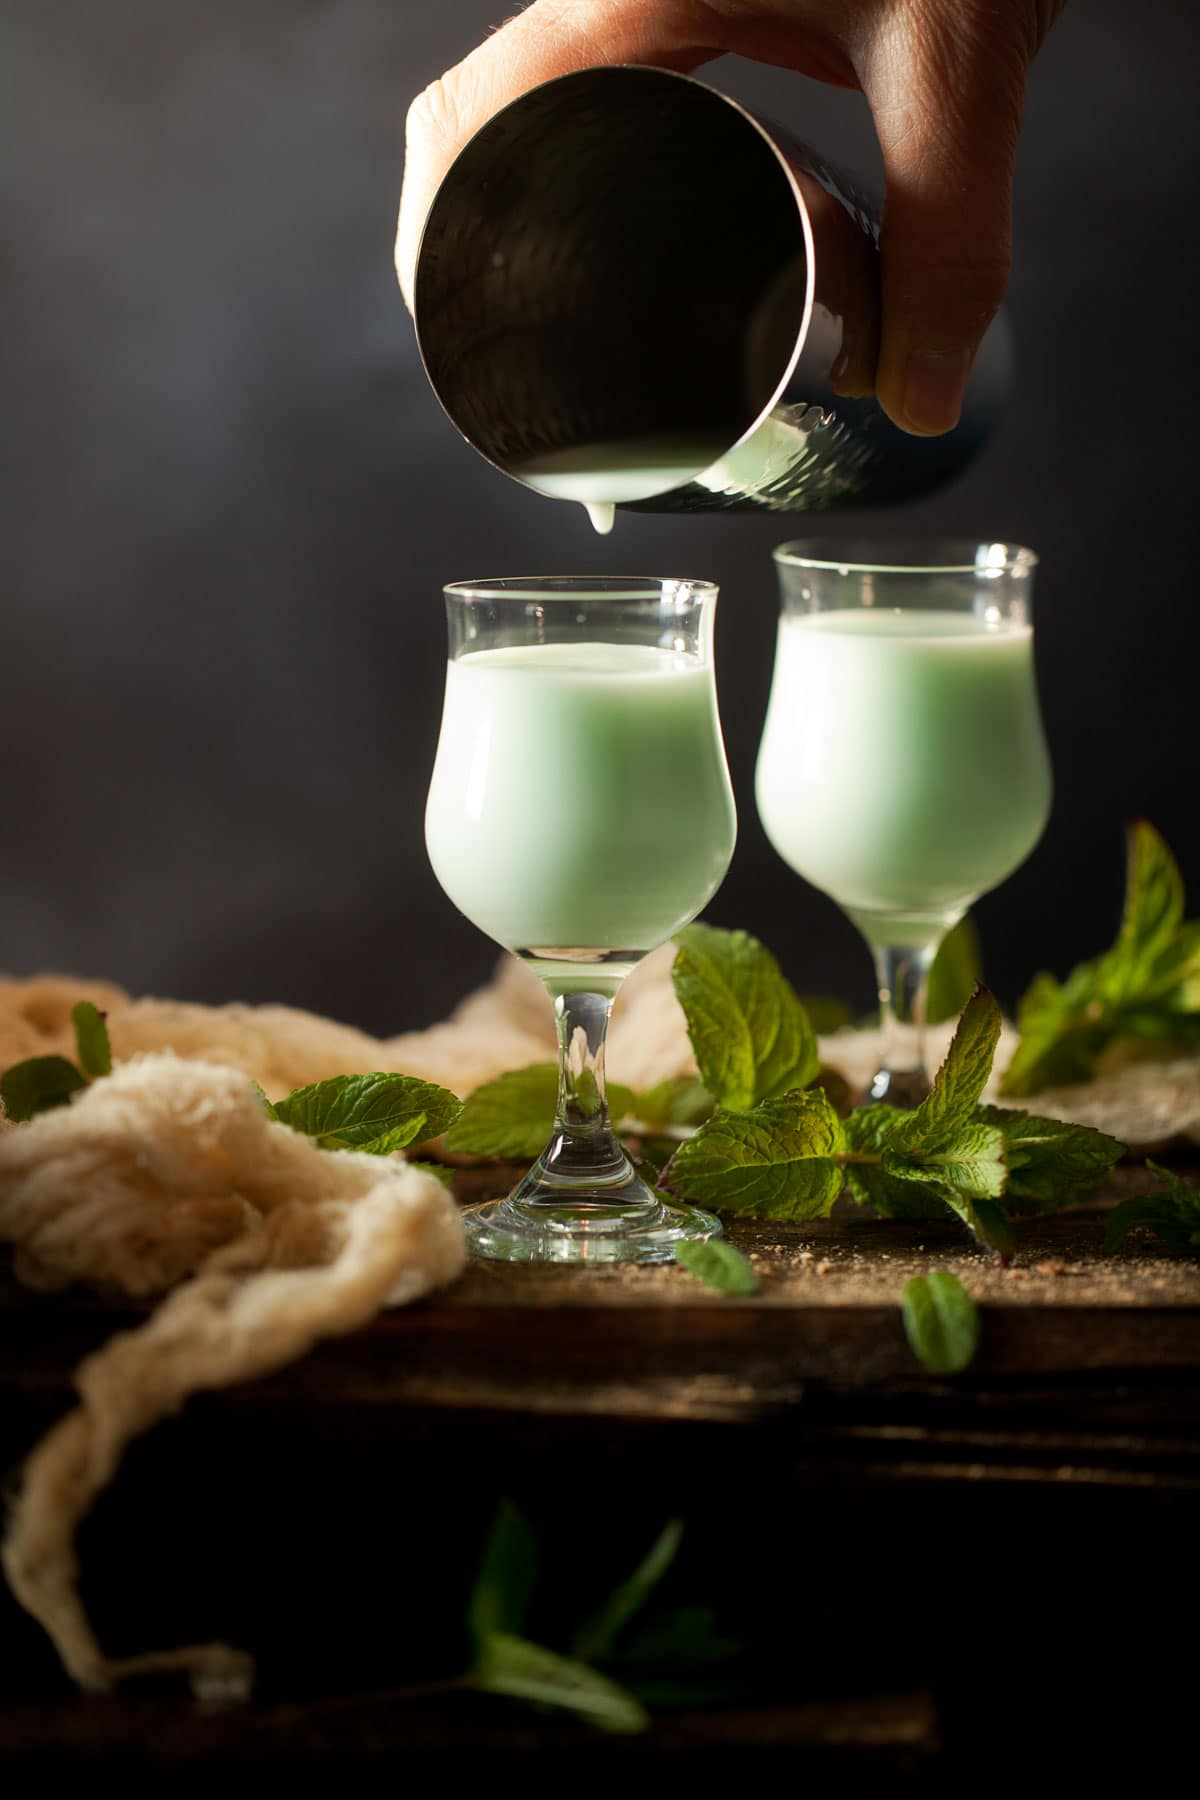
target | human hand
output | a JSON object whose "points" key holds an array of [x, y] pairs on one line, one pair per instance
{"points": [[945, 81]]}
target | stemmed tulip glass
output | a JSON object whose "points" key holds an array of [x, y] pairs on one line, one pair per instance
{"points": [[580, 813], [903, 769]]}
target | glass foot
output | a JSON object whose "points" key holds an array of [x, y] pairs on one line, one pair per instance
{"points": [[583, 1231]]}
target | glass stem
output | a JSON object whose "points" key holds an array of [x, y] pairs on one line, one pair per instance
{"points": [[584, 1144], [902, 973]]}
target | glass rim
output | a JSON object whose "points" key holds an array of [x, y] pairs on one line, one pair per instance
{"points": [[910, 556], [568, 589]]}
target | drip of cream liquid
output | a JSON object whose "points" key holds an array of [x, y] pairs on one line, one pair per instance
{"points": [[600, 476]]}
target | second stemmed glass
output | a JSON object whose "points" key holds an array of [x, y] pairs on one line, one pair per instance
{"points": [[580, 813], [903, 769]]}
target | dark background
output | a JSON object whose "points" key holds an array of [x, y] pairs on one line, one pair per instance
{"points": [[230, 501]]}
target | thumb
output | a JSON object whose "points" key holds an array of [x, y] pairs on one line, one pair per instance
{"points": [[549, 38], [946, 91]]}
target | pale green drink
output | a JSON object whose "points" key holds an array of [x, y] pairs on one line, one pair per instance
{"points": [[580, 799], [903, 768]]}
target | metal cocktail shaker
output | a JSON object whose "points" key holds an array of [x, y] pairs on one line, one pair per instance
{"points": [[626, 256]]}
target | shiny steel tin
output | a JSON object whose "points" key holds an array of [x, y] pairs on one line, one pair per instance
{"points": [[627, 254]]}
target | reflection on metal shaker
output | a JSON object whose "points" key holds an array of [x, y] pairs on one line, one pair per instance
{"points": [[630, 289]]}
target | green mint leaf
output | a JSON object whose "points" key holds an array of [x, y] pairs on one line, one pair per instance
{"points": [[91, 1039], [38, 1085], [1171, 980], [376, 1113], [1147, 987], [1173, 1214], [679, 1101], [751, 1036], [1148, 1213], [267, 1105], [505, 1580], [443, 1174], [1061, 1034], [971, 1162], [867, 1131], [512, 1117], [1050, 1163], [718, 1265], [774, 1162], [941, 1322], [1153, 909], [956, 972], [950, 1104], [989, 1222], [595, 1639], [523, 1671]]}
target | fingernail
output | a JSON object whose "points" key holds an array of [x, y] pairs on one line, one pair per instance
{"points": [[933, 389]]}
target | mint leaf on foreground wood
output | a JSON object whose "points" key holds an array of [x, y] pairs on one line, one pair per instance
{"points": [[506, 1576], [1145, 989], [718, 1265], [376, 1113], [750, 1034], [1172, 1214], [511, 1118], [91, 1039], [514, 1667], [941, 1322], [596, 1637], [38, 1085], [775, 1161]]}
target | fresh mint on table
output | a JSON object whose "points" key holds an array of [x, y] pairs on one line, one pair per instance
{"points": [[376, 1113], [671, 1660], [941, 1322], [789, 1158], [511, 1118], [750, 1034], [776, 1161], [43, 1082], [1172, 1214], [1142, 994], [718, 1265], [767, 1141]]}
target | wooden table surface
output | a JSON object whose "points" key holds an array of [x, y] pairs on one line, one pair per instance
{"points": [[833, 1493]]}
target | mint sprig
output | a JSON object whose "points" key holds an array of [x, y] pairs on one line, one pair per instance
{"points": [[41, 1083], [789, 1158], [1144, 991], [1172, 1214], [658, 1663]]}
